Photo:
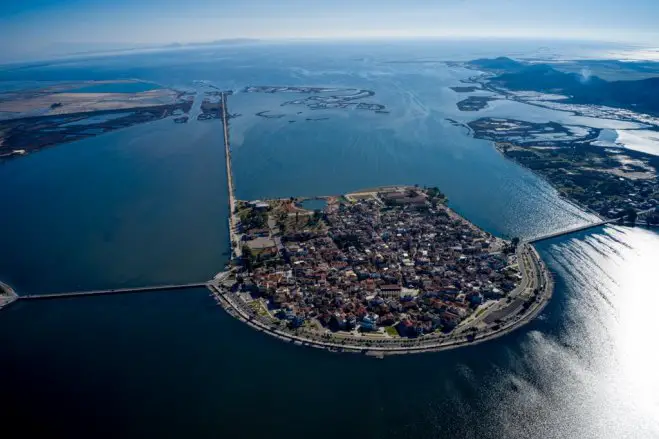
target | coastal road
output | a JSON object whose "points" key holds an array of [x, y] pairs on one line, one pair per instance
{"points": [[503, 308], [403, 347], [234, 306]]}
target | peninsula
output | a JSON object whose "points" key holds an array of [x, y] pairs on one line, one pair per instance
{"points": [[31, 120]]}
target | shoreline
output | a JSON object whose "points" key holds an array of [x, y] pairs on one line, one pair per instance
{"points": [[637, 178], [534, 292], [575, 203], [522, 304], [26, 135], [497, 145], [417, 346]]}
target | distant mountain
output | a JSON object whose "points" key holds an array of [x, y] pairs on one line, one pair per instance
{"points": [[642, 95], [229, 41], [501, 63], [543, 77], [610, 69], [226, 41], [639, 95]]}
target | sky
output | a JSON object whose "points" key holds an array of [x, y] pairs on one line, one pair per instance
{"points": [[32, 28]]}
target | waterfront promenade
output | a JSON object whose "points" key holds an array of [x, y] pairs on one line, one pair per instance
{"points": [[536, 279]]}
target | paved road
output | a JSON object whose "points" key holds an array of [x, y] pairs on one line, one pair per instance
{"points": [[503, 309]]}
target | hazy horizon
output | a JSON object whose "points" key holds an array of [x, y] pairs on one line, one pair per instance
{"points": [[39, 28]]}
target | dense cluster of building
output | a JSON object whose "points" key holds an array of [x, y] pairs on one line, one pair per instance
{"points": [[398, 258]]}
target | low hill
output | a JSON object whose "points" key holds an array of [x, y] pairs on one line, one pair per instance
{"points": [[639, 95], [501, 63]]}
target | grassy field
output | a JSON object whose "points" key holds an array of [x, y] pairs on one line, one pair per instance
{"points": [[391, 331], [258, 308]]}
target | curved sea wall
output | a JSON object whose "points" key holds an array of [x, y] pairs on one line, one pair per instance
{"points": [[536, 278]]}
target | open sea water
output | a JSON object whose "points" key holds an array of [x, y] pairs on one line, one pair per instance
{"points": [[148, 204]]}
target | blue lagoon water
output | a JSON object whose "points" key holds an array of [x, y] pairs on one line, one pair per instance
{"points": [[97, 119], [413, 144], [139, 206], [174, 364], [148, 204]]}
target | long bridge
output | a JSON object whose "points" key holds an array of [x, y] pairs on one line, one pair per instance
{"points": [[579, 228], [64, 295], [8, 295], [12, 297]]}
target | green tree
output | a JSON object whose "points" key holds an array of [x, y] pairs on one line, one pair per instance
{"points": [[249, 258], [632, 216], [629, 214], [434, 192]]}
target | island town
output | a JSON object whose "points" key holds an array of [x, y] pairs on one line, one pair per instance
{"points": [[385, 271]]}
